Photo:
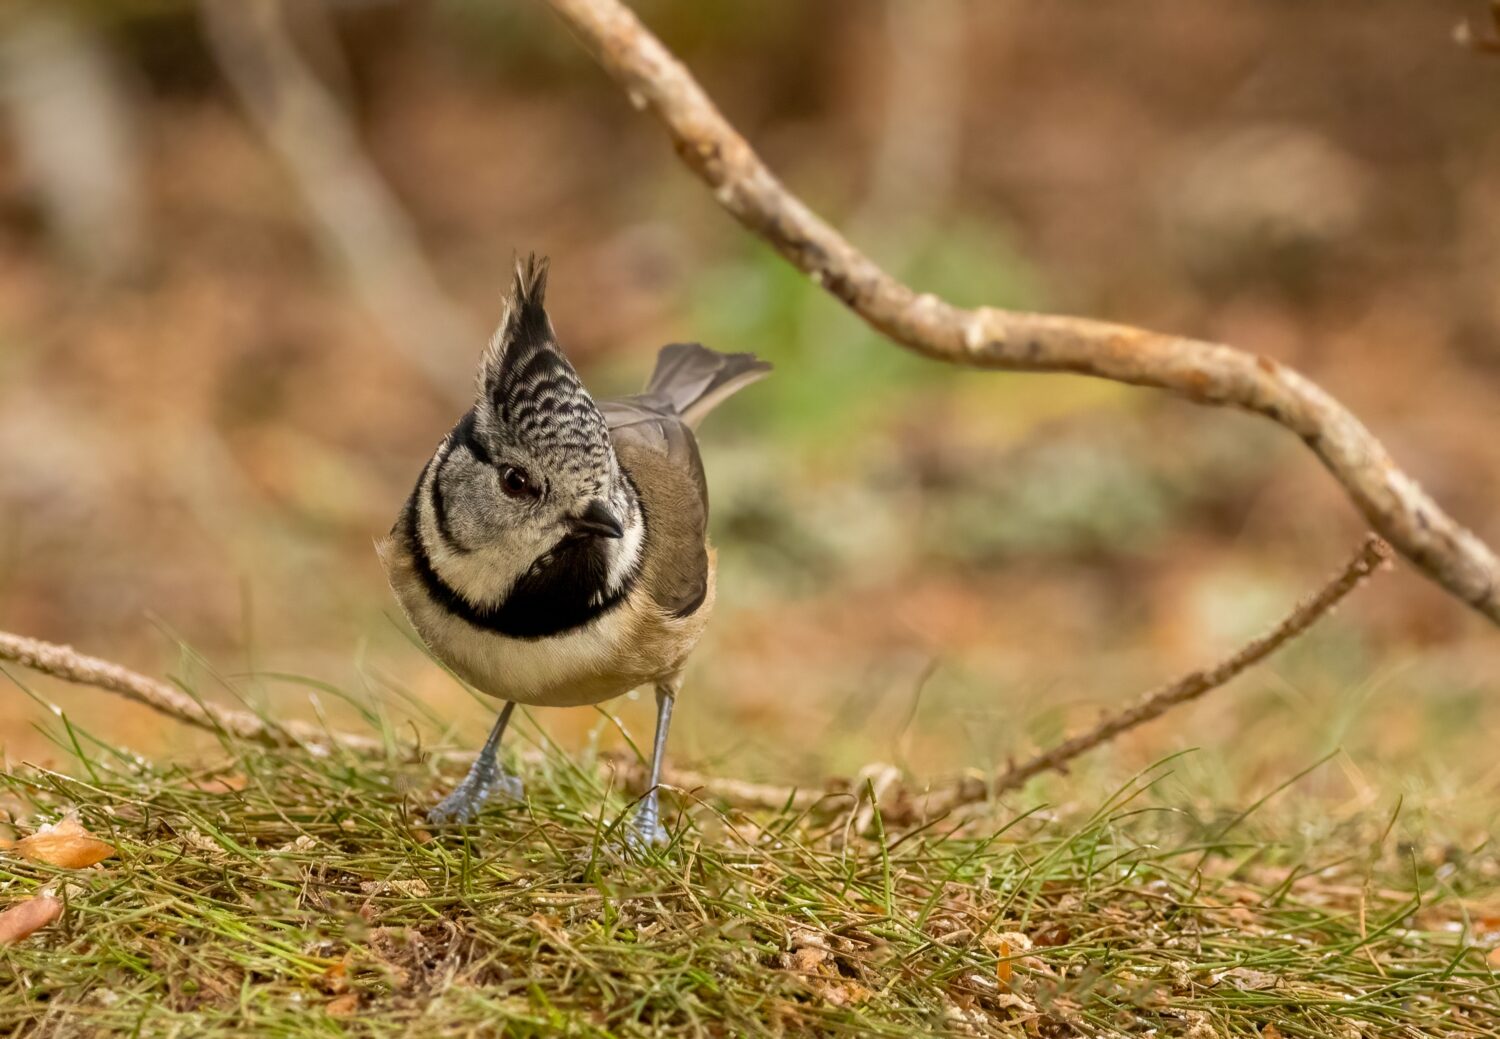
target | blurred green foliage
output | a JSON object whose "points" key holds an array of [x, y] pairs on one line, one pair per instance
{"points": [[847, 380]]}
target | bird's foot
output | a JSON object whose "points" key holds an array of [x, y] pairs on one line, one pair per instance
{"points": [[645, 829], [468, 799]]}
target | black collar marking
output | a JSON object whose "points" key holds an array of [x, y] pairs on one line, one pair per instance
{"points": [[548, 600]]}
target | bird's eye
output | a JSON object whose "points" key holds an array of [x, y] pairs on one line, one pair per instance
{"points": [[517, 483]]}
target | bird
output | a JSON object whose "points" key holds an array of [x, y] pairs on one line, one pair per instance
{"points": [[554, 549]]}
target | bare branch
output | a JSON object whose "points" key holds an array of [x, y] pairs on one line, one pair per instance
{"points": [[634, 775], [1208, 373], [68, 664]]}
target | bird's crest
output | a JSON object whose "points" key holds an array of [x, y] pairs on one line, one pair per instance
{"points": [[529, 387]]}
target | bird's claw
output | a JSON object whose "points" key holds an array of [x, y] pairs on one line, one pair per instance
{"points": [[646, 830], [468, 799]]}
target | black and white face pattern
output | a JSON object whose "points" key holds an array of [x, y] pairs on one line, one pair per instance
{"points": [[523, 522]]}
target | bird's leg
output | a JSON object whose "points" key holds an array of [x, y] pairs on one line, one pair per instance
{"points": [[484, 779], [648, 828]]}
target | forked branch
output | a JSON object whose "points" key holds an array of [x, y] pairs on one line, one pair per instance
{"points": [[1208, 373]]}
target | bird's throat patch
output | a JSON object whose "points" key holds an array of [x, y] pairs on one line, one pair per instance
{"points": [[567, 589]]}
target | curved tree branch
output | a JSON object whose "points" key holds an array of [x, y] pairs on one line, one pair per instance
{"points": [[1208, 373]]}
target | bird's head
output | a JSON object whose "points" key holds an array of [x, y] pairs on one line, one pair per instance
{"points": [[526, 497]]}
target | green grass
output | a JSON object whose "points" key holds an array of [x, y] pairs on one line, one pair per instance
{"points": [[269, 909]]}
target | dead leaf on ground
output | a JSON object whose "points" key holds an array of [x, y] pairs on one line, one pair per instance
{"points": [[343, 1006], [65, 844], [25, 918], [1011, 949]]}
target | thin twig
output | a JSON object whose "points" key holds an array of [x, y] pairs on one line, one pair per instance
{"points": [[987, 337], [68, 664], [1372, 556], [633, 774]]}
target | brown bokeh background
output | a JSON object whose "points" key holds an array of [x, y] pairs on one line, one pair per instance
{"points": [[204, 424]]}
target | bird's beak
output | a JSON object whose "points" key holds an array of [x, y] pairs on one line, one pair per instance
{"points": [[596, 521]]}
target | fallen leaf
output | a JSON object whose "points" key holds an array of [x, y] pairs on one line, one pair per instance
{"points": [[549, 926], [1011, 1001], [25, 918], [1199, 1027], [1494, 958], [1270, 1032], [343, 1006], [813, 961], [66, 844]]}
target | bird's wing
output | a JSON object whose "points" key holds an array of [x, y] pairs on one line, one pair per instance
{"points": [[660, 454]]}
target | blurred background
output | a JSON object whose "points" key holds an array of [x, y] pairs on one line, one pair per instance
{"points": [[249, 254]]}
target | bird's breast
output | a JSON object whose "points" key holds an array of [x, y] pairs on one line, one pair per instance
{"points": [[630, 646]]}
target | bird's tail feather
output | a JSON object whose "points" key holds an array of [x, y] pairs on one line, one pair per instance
{"points": [[694, 379]]}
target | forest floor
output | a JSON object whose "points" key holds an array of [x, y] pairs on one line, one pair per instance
{"points": [[292, 893]]}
